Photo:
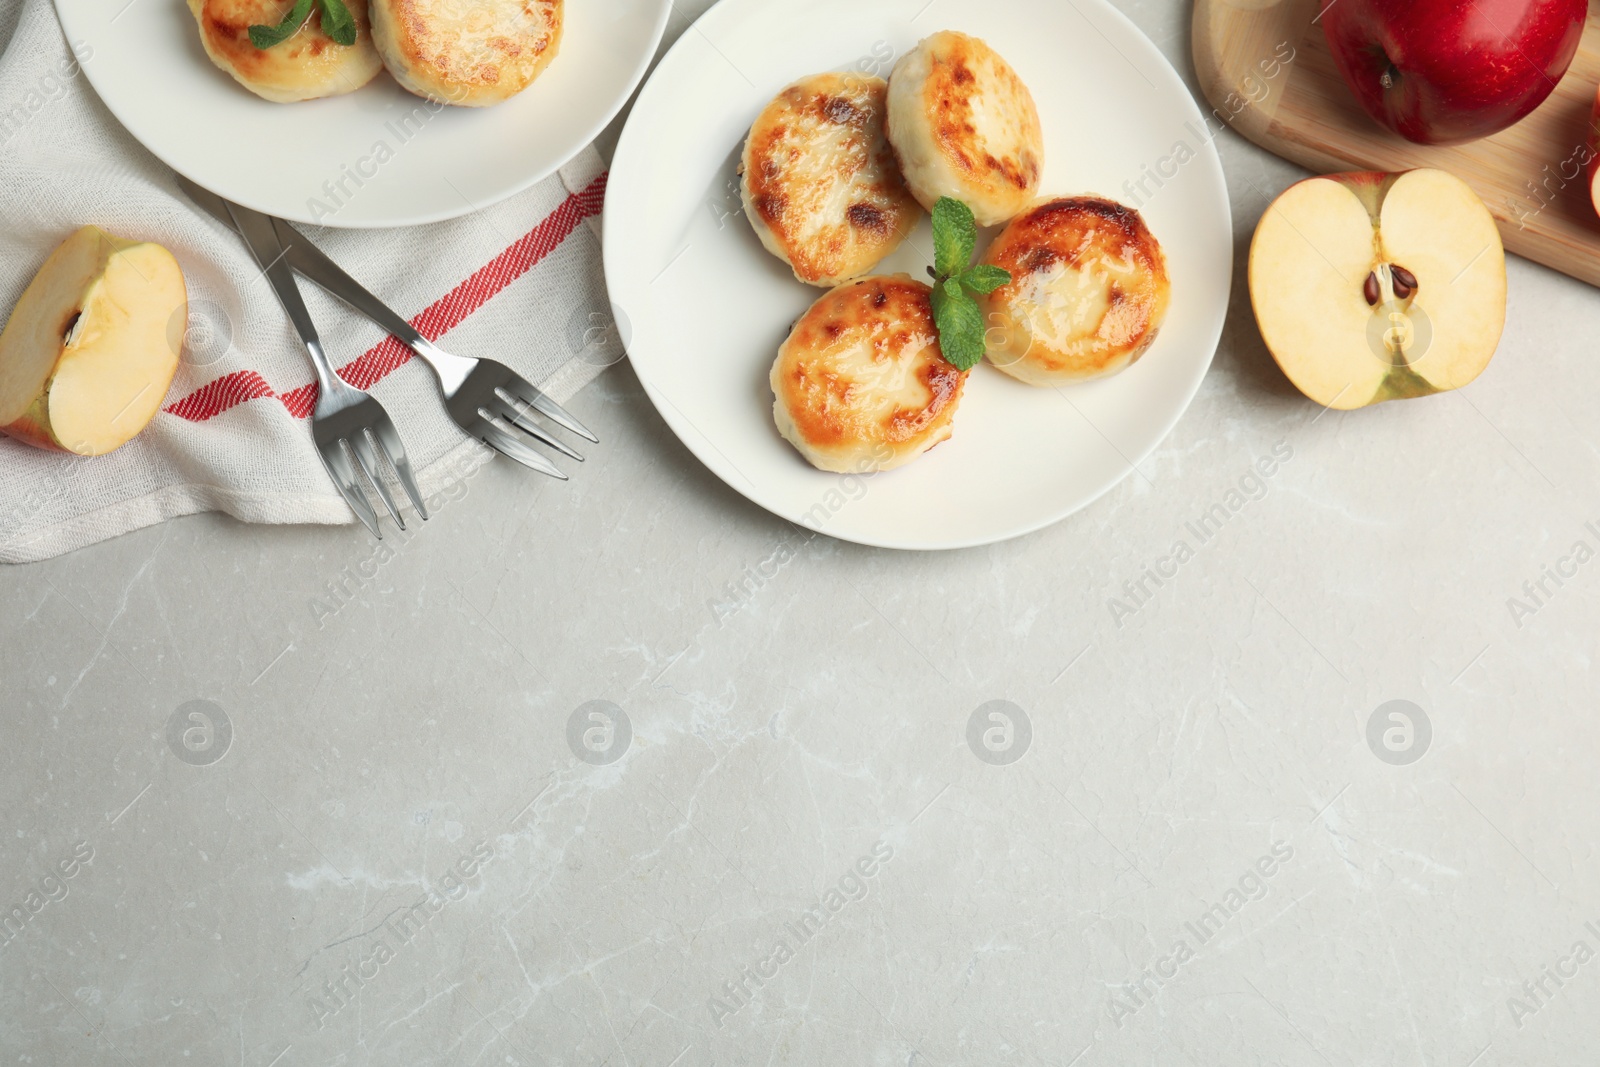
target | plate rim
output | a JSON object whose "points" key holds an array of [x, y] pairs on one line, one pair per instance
{"points": [[633, 83], [1210, 158]]}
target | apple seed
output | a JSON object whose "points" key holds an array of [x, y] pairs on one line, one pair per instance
{"points": [[1369, 289], [1405, 283]]}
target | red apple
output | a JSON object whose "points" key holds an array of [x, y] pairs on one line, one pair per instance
{"points": [[1445, 71]]}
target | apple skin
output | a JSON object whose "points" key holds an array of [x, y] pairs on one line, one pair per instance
{"points": [[1457, 69], [1368, 185], [33, 427]]}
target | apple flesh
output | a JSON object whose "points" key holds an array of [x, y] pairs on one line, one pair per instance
{"points": [[1446, 71], [1370, 287], [1593, 165], [89, 350]]}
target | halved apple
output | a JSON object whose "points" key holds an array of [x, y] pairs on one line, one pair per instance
{"points": [[1370, 287], [90, 348]]}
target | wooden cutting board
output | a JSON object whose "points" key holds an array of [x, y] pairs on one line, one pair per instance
{"points": [[1267, 72]]}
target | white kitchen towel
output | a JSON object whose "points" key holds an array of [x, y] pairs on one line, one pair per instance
{"points": [[519, 282]]}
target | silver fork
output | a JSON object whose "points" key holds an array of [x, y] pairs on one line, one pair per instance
{"points": [[345, 417], [487, 399]]}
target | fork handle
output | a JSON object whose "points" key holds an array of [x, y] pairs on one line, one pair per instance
{"points": [[312, 262], [258, 232]]}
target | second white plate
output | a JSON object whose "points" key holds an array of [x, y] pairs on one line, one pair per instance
{"points": [[378, 156], [704, 307]]}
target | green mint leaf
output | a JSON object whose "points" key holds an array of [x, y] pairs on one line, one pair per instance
{"points": [[985, 278], [960, 325], [337, 22], [265, 37], [955, 236]]}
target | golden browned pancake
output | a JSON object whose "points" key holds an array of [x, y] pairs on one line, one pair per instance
{"points": [[306, 66], [820, 183], [860, 384], [468, 52], [963, 124], [1087, 294]]}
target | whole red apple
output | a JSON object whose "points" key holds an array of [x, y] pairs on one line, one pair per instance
{"points": [[1444, 71]]}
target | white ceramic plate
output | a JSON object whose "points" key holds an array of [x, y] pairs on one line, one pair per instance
{"points": [[704, 307], [286, 159]]}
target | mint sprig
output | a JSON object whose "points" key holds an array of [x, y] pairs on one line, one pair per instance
{"points": [[337, 23], [955, 312], [265, 37]]}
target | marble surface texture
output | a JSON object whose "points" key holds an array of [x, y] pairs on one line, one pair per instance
{"points": [[625, 771]]}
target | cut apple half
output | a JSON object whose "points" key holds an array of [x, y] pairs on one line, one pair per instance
{"points": [[90, 349], [1370, 287]]}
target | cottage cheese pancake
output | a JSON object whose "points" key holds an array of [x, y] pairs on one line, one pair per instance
{"points": [[861, 384], [1087, 294], [820, 184], [469, 52], [308, 65], [963, 124]]}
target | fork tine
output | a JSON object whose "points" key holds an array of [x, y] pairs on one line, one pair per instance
{"points": [[515, 412], [395, 449], [368, 459], [556, 413], [510, 445], [344, 479]]}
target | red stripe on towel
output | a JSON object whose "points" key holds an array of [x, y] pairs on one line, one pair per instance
{"points": [[437, 319]]}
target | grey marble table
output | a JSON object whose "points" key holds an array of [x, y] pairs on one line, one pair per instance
{"points": [[626, 771]]}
